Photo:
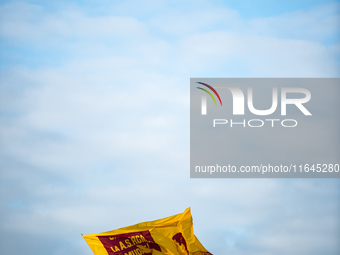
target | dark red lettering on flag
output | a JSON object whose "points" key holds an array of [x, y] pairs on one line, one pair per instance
{"points": [[134, 243]]}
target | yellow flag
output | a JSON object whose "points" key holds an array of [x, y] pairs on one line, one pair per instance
{"points": [[173, 235]]}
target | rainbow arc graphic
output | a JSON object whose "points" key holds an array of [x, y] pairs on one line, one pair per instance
{"points": [[208, 92], [204, 98], [212, 89]]}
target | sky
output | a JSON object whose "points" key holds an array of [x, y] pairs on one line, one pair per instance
{"points": [[94, 112]]}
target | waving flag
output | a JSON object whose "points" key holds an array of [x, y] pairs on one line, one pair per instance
{"points": [[173, 235]]}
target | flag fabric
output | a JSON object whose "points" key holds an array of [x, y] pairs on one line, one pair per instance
{"points": [[173, 235]]}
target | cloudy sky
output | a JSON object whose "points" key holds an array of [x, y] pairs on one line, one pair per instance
{"points": [[94, 111]]}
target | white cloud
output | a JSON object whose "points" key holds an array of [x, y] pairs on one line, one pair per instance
{"points": [[315, 24], [30, 23], [261, 56]]}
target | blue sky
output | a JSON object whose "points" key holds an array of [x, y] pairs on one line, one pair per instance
{"points": [[95, 121]]}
